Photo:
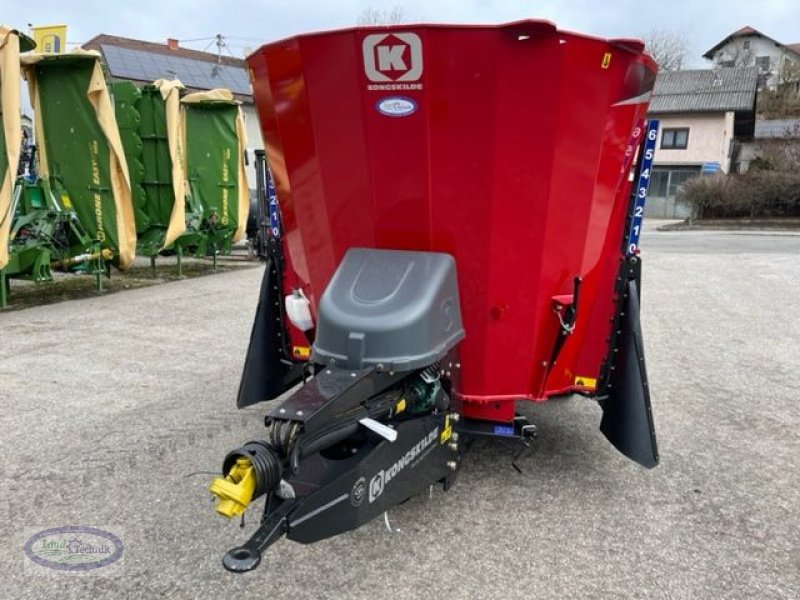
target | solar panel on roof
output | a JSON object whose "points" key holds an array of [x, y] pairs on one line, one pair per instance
{"points": [[148, 66]]}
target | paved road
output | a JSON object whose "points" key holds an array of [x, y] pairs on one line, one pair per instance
{"points": [[724, 242], [108, 405]]}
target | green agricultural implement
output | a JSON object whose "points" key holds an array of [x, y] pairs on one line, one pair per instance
{"points": [[215, 146], [29, 221], [80, 151], [150, 128], [147, 172], [45, 234], [165, 138], [11, 43], [77, 214]]}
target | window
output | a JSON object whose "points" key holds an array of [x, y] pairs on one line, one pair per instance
{"points": [[667, 181], [676, 180], [746, 45], [658, 184], [762, 62], [675, 139]]}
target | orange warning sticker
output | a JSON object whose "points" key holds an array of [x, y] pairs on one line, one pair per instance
{"points": [[586, 382], [301, 351]]}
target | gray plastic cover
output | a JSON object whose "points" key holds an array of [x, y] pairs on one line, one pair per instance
{"points": [[393, 309]]}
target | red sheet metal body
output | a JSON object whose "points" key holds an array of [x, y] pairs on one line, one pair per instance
{"points": [[507, 146]]}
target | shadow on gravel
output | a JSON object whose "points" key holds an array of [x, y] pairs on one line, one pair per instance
{"points": [[71, 286]]}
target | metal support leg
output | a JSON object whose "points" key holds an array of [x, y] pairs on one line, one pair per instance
{"points": [[214, 253], [153, 265], [97, 266], [179, 255], [3, 289]]}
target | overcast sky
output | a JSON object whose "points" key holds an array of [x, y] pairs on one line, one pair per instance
{"points": [[248, 23]]}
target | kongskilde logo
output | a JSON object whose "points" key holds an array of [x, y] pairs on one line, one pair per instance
{"points": [[394, 59], [383, 477]]}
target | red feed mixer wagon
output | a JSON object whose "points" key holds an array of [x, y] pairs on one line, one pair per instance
{"points": [[454, 219]]}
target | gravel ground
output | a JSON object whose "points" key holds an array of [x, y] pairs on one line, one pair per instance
{"points": [[110, 404]]}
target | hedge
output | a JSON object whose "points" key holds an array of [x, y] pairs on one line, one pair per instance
{"points": [[752, 195]]}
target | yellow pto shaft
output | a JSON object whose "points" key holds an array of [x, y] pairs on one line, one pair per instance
{"points": [[235, 490], [105, 254]]}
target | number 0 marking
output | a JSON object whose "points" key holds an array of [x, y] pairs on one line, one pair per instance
{"points": [[606, 60]]}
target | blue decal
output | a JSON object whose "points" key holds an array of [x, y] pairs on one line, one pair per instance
{"points": [[642, 186], [274, 209], [504, 430]]}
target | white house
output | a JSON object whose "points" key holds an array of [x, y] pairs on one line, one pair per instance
{"points": [[776, 62], [704, 115]]}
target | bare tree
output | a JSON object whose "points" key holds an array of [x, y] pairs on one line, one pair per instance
{"points": [[668, 48], [789, 74], [737, 53], [377, 16], [783, 100]]}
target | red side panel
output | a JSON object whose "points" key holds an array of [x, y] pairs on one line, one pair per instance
{"points": [[503, 146]]}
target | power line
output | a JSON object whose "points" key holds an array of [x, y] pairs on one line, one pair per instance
{"points": [[220, 42], [245, 39], [227, 37]]}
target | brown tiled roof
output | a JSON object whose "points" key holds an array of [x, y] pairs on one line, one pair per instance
{"points": [[745, 31], [123, 42]]}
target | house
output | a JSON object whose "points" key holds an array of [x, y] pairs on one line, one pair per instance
{"points": [[776, 142], [776, 62], [771, 129], [144, 62], [27, 125], [705, 115]]}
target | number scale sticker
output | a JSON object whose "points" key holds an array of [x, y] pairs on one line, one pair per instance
{"points": [[642, 185], [272, 199]]}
